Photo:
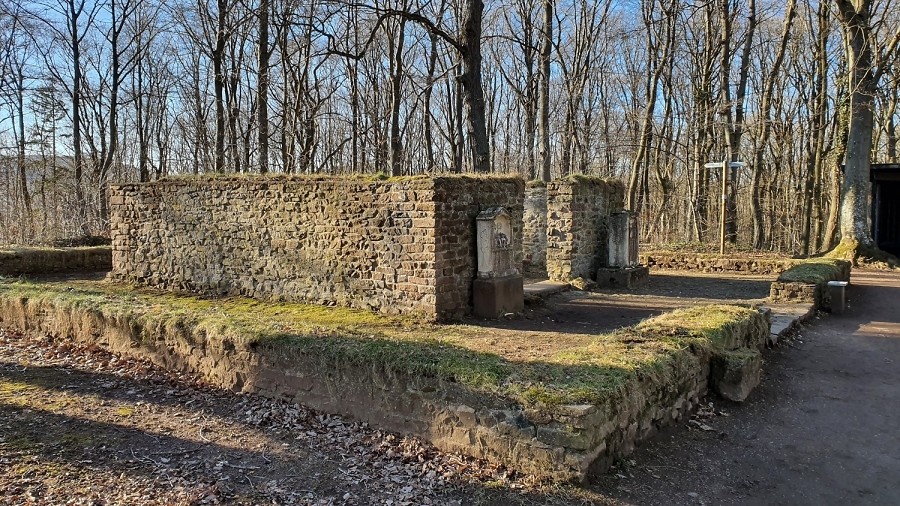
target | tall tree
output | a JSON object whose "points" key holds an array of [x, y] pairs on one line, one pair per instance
{"points": [[264, 53], [733, 126], [546, 36], [79, 20], [867, 59]]}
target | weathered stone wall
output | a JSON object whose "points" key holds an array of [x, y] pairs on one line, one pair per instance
{"points": [[534, 243], [50, 260], [564, 443], [457, 201], [405, 245], [797, 291], [694, 262], [577, 211]]}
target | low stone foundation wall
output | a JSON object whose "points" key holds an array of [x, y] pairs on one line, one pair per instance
{"points": [[714, 263], [53, 260], [559, 442], [792, 287]]}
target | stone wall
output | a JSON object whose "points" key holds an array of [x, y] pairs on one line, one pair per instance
{"points": [[19, 261], [784, 289], [577, 211], [562, 442], [403, 245], [534, 242], [715, 263]]}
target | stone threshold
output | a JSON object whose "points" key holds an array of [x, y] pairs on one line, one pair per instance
{"points": [[786, 318], [544, 289]]}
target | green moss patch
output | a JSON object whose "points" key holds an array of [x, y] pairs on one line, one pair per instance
{"points": [[814, 271], [588, 369], [862, 255]]}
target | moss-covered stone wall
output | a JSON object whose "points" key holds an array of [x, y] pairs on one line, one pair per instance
{"points": [[808, 281], [577, 211], [560, 420], [715, 263], [403, 245]]}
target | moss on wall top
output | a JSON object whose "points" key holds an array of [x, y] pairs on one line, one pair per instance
{"points": [[815, 271], [593, 369], [349, 178]]}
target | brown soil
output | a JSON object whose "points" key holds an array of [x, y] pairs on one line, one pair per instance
{"points": [[576, 313], [823, 428]]}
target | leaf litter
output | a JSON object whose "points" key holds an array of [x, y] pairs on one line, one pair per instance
{"points": [[81, 425]]}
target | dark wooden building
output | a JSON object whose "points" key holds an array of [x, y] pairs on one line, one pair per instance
{"points": [[886, 206]]}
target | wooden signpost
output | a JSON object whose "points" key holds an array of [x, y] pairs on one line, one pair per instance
{"points": [[724, 165]]}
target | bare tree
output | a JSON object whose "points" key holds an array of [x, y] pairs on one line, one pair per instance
{"points": [[867, 58], [765, 112]]}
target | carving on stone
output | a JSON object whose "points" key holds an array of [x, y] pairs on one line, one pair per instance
{"points": [[494, 244]]}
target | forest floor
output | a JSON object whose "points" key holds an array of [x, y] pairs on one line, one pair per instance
{"points": [[82, 426]]}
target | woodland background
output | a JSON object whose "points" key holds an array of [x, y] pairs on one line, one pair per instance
{"points": [[648, 91]]}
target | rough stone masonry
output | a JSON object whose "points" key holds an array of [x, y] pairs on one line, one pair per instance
{"points": [[403, 245]]}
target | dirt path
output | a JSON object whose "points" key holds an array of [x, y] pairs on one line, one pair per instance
{"points": [[823, 428]]}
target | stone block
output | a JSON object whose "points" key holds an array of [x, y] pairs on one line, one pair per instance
{"points": [[630, 277], [837, 294], [734, 374], [492, 297]]}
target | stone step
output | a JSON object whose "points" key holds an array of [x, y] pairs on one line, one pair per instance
{"points": [[785, 317], [544, 289]]}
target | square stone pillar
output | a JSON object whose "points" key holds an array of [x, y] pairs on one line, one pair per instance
{"points": [[622, 269], [498, 287], [623, 240]]}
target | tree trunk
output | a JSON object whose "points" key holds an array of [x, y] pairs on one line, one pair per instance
{"points": [[758, 238], [426, 101], [856, 188], [219, 84], [75, 41], [20, 151], [471, 83], [396, 72], [544, 90], [262, 94]]}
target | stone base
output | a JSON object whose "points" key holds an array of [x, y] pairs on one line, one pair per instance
{"points": [[838, 296], [492, 297], [734, 374], [629, 277]]}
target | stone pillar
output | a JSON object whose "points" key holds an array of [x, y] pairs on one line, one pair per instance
{"points": [[534, 243], [622, 269], [623, 240], [498, 287]]}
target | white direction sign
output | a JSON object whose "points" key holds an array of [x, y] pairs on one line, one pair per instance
{"points": [[716, 165]]}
